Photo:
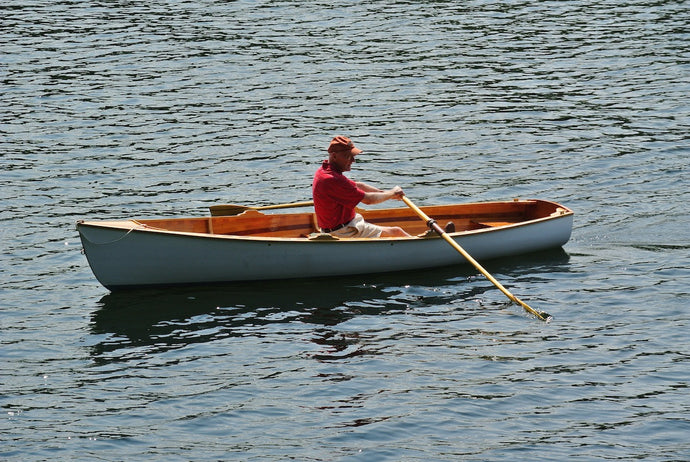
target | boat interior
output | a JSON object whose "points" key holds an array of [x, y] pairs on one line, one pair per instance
{"points": [[465, 217]]}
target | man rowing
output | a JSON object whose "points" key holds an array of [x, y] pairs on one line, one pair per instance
{"points": [[336, 196]]}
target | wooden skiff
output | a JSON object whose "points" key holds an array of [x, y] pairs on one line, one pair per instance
{"points": [[259, 246]]}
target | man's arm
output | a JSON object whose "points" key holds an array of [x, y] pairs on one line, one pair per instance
{"points": [[374, 195], [367, 188]]}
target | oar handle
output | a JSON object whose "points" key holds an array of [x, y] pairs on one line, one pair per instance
{"points": [[431, 223]]}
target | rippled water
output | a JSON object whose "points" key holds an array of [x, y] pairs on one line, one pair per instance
{"points": [[126, 109]]}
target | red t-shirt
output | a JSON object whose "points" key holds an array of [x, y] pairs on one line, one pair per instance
{"points": [[335, 197]]}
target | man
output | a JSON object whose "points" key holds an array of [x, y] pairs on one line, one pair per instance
{"points": [[336, 196]]}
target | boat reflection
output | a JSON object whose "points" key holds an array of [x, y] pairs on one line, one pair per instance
{"points": [[155, 320]]}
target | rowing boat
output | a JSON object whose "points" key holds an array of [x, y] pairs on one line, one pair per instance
{"points": [[260, 246]]}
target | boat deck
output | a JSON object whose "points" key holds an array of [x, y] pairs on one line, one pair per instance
{"points": [[466, 217]]}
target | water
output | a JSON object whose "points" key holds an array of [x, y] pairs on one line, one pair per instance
{"points": [[126, 109]]}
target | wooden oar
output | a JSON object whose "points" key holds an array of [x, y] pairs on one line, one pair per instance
{"points": [[233, 209], [433, 225]]}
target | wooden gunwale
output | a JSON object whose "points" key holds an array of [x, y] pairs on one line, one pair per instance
{"points": [[257, 225]]}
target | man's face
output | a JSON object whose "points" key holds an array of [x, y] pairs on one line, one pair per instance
{"points": [[343, 160]]}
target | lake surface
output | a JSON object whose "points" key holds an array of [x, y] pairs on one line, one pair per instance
{"points": [[160, 109]]}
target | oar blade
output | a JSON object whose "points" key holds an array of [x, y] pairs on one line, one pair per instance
{"points": [[224, 210], [433, 225], [234, 209]]}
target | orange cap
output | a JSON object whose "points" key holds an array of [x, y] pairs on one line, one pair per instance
{"points": [[343, 144]]}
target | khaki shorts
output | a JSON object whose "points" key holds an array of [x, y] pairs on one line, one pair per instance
{"points": [[358, 228]]}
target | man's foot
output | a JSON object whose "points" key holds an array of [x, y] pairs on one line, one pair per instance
{"points": [[428, 233], [450, 227]]}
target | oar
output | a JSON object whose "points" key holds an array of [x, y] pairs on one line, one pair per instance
{"points": [[433, 225], [233, 209]]}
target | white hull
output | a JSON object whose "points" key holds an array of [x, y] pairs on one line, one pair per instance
{"points": [[140, 256]]}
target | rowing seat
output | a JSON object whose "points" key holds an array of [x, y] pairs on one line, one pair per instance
{"points": [[489, 224]]}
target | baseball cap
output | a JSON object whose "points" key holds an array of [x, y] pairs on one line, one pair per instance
{"points": [[343, 144]]}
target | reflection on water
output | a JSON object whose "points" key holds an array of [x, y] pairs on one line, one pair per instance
{"points": [[176, 317], [121, 109], [155, 320]]}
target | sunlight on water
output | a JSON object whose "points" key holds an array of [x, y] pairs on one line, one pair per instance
{"points": [[123, 110]]}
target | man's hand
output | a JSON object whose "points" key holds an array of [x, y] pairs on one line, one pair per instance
{"points": [[397, 193], [382, 196]]}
